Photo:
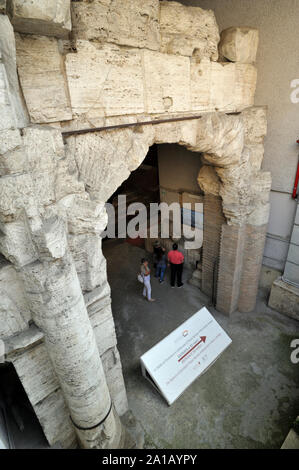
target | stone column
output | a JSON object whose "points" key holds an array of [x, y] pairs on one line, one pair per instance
{"points": [[230, 267], [255, 237], [57, 305], [213, 220]]}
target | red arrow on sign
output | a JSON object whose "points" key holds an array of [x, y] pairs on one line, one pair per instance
{"points": [[202, 340]]}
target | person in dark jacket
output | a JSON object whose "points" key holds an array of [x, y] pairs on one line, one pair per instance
{"points": [[157, 249]]}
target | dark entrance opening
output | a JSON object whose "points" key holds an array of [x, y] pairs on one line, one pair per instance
{"points": [[19, 426], [142, 186]]}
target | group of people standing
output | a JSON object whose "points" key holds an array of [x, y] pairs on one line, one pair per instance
{"points": [[174, 259]]}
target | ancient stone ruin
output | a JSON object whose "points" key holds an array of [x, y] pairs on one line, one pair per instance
{"points": [[69, 66]]}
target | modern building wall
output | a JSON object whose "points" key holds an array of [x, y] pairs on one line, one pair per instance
{"points": [[291, 272], [278, 67]]}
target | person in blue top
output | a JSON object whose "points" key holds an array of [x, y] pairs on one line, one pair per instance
{"points": [[161, 264]]}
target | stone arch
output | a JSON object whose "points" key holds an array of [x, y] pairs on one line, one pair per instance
{"points": [[52, 214], [52, 195], [236, 190]]}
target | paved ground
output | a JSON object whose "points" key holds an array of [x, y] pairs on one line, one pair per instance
{"points": [[247, 399]]}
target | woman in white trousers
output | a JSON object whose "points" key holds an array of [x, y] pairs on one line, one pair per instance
{"points": [[146, 274]]}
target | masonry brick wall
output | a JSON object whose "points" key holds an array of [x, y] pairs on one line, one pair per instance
{"points": [[230, 267], [252, 263], [213, 221]]}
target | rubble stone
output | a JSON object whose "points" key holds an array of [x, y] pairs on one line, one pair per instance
{"points": [[239, 44], [135, 25], [188, 31]]}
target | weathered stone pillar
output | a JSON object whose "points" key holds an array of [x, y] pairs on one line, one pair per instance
{"points": [[57, 305], [213, 220], [255, 237], [230, 267]]}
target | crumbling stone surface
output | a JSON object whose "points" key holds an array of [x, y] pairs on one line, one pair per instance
{"points": [[14, 312], [134, 24], [48, 233], [12, 112], [239, 44], [221, 139], [243, 188], [188, 31], [209, 181], [255, 124], [46, 17], [3, 6]]}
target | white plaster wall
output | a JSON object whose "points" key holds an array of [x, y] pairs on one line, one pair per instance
{"points": [[277, 64]]}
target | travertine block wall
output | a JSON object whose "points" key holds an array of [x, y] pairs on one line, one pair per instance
{"points": [[111, 65], [213, 221], [149, 57], [134, 24], [125, 81]]}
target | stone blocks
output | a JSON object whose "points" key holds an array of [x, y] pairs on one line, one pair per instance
{"points": [[284, 298], [222, 86], [41, 75], [14, 311], [105, 81], [109, 80], [46, 17], [12, 112], [188, 31], [167, 82], [12, 156], [241, 254], [239, 44], [134, 24], [113, 81]]}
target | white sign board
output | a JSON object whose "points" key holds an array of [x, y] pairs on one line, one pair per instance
{"points": [[180, 358]]}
